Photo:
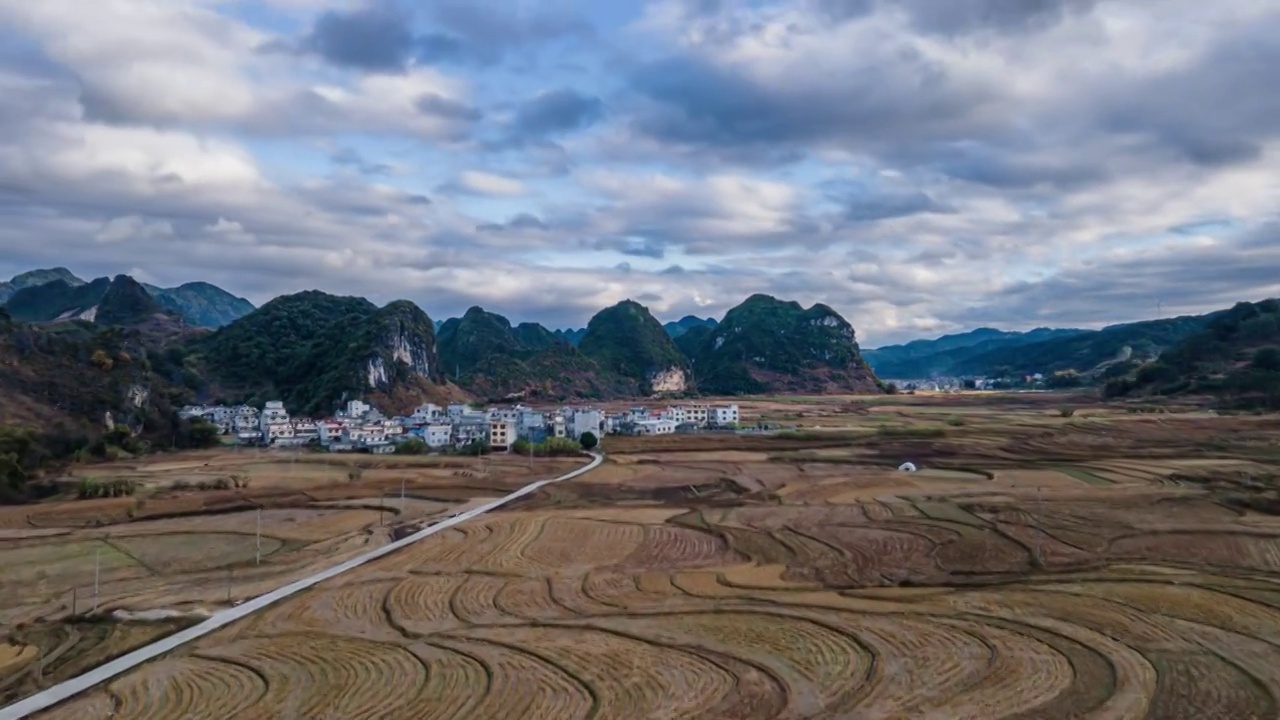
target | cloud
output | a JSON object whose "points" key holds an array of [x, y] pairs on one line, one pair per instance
{"points": [[133, 227], [370, 38], [557, 111], [385, 37], [477, 182], [922, 166], [520, 222]]}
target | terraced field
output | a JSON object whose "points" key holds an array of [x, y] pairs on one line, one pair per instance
{"points": [[770, 585]]}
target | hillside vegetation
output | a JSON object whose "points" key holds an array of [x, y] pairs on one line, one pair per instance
{"points": [[628, 341], [485, 355], [770, 345], [1235, 356], [313, 350], [942, 356]]}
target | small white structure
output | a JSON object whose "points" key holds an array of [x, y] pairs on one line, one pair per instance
{"points": [[907, 467], [655, 427]]}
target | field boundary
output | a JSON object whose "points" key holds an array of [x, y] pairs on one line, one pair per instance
{"points": [[66, 690]]}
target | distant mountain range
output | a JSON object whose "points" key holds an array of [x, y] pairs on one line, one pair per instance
{"points": [[315, 350], [57, 294], [997, 353]]}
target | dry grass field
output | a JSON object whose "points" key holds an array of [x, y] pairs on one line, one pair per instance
{"points": [[1110, 564], [172, 553]]}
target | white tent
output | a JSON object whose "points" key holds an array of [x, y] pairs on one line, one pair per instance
{"points": [[907, 467]]}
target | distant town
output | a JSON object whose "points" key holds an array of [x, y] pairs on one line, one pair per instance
{"points": [[360, 427]]}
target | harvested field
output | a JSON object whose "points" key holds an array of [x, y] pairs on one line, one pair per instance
{"points": [[186, 549], [1037, 568]]}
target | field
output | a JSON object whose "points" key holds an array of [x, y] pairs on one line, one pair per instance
{"points": [[173, 553], [1100, 563]]}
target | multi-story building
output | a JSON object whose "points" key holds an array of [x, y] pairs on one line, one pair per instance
{"points": [[584, 421], [438, 435], [427, 413], [501, 434], [468, 430], [356, 409], [531, 425], [724, 415]]}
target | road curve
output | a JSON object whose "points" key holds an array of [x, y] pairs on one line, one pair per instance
{"points": [[65, 690]]}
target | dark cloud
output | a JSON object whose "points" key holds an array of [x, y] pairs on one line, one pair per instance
{"points": [[861, 202], [1150, 284], [351, 158], [382, 36], [1217, 111], [521, 221], [376, 38], [557, 111], [696, 101], [637, 246], [966, 16], [953, 17], [433, 104]]}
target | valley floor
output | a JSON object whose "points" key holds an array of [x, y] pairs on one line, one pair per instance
{"points": [[1051, 559]]}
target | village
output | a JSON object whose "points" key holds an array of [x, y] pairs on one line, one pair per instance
{"points": [[360, 427]]}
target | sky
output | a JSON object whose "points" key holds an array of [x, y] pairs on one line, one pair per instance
{"points": [[921, 166]]}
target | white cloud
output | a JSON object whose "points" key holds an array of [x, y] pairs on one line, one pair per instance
{"points": [[484, 183], [133, 227]]}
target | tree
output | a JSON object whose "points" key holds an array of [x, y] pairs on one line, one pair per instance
{"points": [[1268, 359], [588, 441], [412, 446]]}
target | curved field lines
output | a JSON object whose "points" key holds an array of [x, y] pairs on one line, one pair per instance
{"points": [[320, 675], [919, 598]]}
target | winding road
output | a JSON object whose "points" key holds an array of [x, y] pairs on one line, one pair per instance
{"points": [[65, 690]]}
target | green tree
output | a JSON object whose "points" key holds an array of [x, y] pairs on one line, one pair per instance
{"points": [[588, 441], [412, 446], [1267, 359]]}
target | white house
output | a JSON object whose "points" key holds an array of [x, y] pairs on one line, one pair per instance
{"points": [[437, 436], [427, 413], [584, 421], [356, 409], [468, 430], [273, 413], [696, 414], [455, 411], [724, 415], [329, 432], [662, 426]]}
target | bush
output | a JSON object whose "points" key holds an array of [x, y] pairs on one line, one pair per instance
{"points": [[955, 421], [412, 446], [1267, 359], [1066, 412], [557, 446], [588, 441]]}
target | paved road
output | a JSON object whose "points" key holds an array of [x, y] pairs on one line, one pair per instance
{"points": [[62, 691]]}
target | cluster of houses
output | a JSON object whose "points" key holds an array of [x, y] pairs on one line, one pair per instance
{"points": [[359, 427]]}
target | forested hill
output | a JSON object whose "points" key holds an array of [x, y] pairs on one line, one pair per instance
{"points": [[1235, 356]]}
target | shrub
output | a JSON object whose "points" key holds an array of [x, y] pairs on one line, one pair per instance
{"points": [[589, 441], [955, 421], [1066, 412], [412, 446]]}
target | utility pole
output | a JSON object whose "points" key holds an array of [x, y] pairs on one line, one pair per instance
{"points": [[402, 496], [1039, 526], [97, 572], [257, 554]]}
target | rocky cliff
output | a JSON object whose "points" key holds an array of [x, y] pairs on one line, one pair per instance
{"points": [[315, 350], [627, 340]]}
